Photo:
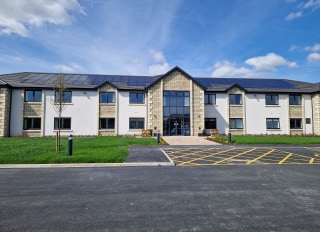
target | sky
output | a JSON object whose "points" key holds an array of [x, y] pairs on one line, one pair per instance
{"points": [[207, 38]]}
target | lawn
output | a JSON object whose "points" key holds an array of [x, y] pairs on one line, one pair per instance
{"points": [[272, 139], [85, 150]]}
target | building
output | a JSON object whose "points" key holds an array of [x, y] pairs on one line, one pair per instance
{"points": [[173, 104]]}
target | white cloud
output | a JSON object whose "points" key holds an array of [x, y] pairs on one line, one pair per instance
{"points": [[156, 69], [73, 67], [314, 48], [314, 57], [293, 48], [157, 56], [267, 63], [226, 69], [10, 58], [292, 16], [19, 16], [312, 4], [161, 65]]}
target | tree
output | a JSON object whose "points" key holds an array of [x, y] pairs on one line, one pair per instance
{"points": [[59, 105]]}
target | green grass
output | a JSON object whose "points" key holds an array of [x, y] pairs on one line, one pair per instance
{"points": [[272, 139], [85, 150]]}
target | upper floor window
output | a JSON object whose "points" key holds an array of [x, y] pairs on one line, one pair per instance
{"points": [[294, 99], [32, 123], [107, 97], [210, 98], [273, 123], [64, 97], [272, 99], [136, 98], [235, 99], [32, 96]]}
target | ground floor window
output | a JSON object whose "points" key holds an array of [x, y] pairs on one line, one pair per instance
{"points": [[295, 123], [106, 123], [136, 123], [65, 123], [235, 123], [273, 123], [210, 123], [32, 123]]}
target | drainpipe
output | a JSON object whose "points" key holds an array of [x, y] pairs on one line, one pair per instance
{"points": [[10, 108]]}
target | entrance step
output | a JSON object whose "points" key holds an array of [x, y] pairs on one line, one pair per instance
{"points": [[188, 140]]}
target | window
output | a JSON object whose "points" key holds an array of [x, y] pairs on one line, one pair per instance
{"points": [[66, 97], [294, 99], [32, 123], [65, 123], [32, 96], [235, 99], [308, 120], [136, 123], [107, 97], [210, 123], [273, 123], [295, 123], [210, 99], [136, 98], [235, 123], [272, 99], [106, 123]]}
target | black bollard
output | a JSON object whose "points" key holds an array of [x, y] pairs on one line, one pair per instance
{"points": [[70, 145], [158, 137], [229, 137]]}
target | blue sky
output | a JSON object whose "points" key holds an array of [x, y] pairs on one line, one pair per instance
{"points": [[207, 38]]}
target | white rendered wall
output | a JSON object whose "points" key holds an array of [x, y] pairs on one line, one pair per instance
{"points": [[16, 113], [219, 111], [127, 110], [83, 112], [307, 113], [257, 112]]}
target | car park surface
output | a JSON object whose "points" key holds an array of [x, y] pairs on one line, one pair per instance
{"points": [[187, 198]]}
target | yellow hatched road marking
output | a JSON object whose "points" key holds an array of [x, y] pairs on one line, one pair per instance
{"points": [[311, 161], [287, 157], [235, 156], [265, 154], [185, 150], [190, 161]]}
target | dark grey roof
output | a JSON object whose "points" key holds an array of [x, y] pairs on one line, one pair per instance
{"points": [[255, 84], [2, 82], [74, 81], [125, 82]]}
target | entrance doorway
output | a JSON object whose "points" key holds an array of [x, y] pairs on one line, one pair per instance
{"points": [[179, 125], [176, 113]]}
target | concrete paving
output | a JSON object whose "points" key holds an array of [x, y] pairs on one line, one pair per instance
{"points": [[188, 140]]}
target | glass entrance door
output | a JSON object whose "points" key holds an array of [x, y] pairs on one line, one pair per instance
{"points": [[179, 126], [175, 126]]}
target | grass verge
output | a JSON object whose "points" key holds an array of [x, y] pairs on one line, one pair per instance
{"points": [[85, 150], [272, 139]]}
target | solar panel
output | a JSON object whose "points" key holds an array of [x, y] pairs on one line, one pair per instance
{"points": [[247, 83]]}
